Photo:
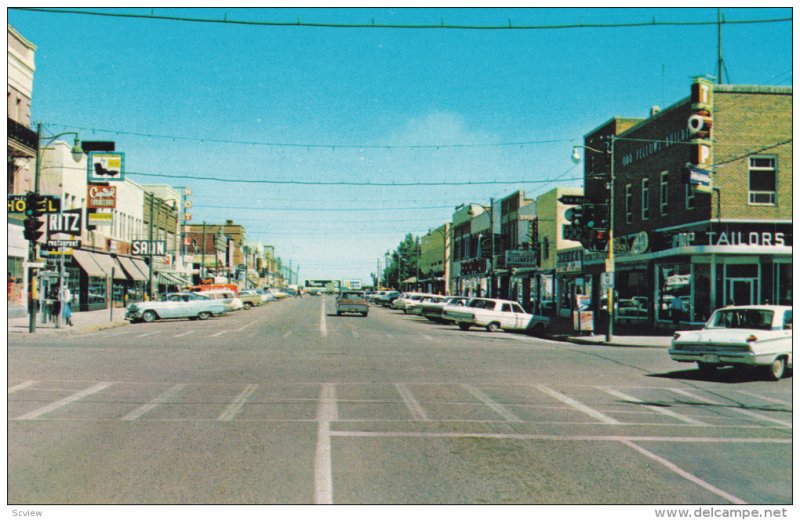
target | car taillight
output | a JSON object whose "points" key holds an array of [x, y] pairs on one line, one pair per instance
{"points": [[751, 338]]}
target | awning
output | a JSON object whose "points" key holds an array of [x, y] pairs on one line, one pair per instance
{"points": [[85, 259], [167, 278], [412, 279], [143, 267], [135, 274], [108, 264]]}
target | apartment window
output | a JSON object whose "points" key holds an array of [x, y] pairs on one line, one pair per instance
{"points": [[762, 180], [628, 203], [664, 193], [689, 197], [645, 199]]}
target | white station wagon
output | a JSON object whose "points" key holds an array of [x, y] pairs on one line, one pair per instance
{"points": [[752, 335], [496, 314]]}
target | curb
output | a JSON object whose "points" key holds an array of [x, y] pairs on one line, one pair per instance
{"points": [[602, 343]]}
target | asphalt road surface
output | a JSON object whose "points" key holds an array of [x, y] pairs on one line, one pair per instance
{"points": [[288, 403]]}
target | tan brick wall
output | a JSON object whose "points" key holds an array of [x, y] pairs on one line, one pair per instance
{"points": [[747, 124]]}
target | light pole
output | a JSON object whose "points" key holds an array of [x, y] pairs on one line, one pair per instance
{"points": [[77, 153], [610, 259]]}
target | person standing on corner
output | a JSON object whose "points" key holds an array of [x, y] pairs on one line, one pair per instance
{"points": [[66, 304]]}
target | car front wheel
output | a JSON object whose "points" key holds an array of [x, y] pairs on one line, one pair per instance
{"points": [[776, 369], [492, 327], [204, 315], [247, 306], [149, 316], [463, 326]]}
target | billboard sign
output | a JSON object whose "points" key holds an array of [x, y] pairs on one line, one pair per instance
{"points": [[101, 197], [106, 166]]}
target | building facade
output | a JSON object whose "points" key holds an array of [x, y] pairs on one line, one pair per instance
{"points": [[435, 260], [703, 204]]}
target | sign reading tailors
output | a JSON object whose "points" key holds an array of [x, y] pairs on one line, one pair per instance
{"points": [[106, 166], [147, 247], [101, 197]]}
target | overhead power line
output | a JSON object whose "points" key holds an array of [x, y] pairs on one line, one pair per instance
{"points": [[509, 26], [324, 146]]}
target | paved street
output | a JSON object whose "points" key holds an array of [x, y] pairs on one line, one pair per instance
{"points": [[288, 403]]}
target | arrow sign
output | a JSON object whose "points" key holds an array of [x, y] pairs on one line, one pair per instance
{"points": [[574, 199]]}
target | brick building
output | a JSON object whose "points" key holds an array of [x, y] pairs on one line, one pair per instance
{"points": [[709, 239]]}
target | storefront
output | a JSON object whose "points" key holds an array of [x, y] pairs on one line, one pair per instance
{"points": [[570, 281], [100, 276], [473, 279], [707, 266]]}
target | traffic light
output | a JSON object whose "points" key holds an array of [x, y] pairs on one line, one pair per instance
{"points": [[33, 229], [600, 241], [32, 210]]}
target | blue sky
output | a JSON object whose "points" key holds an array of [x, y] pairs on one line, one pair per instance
{"points": [[370, 96]]}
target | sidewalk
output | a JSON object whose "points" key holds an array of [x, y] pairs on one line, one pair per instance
{"points": [[83, 322], [561, 330]]}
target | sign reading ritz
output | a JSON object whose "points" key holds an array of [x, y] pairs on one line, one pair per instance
{"points": [[147, 247]]}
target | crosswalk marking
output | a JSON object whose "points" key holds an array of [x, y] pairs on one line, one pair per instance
{"points": [[742, 411], [659, 409], [220, 333], [237, 404], [765, 398], [64, 402], [497, 407], [414, 408], [288, 333], [161, 399], [148, 334], [20, 386], [184, 334], [578, 405]]}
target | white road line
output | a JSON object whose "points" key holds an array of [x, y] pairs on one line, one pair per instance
{"points": [[20, 386], [288, 333], [220, 333], [578, 405], [770, 399], [564, 438], [323, 471], [248, 325], [427, 338], [742, 411], [237, 404], [685, 474], [497, 407], [184, 334], [659, 409], [414, 408], [64, 402], [389, 336], [323, 327], [118, 334], [355, 334], [161, 399], [148, 334]]}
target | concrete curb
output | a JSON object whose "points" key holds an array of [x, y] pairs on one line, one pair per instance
{"points": [[602, 343]]}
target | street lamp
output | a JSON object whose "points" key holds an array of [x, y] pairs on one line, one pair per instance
{"points": [[610, 259], [77, 153]]}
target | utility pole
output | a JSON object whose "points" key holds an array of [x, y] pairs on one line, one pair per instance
{"points": [[150, 248], [491, 260], [203, 256]]}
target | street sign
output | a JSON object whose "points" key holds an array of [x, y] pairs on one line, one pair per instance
{"points": [[34, 265], [607, 281], [574, 199], [521, 258], [609, 266]]}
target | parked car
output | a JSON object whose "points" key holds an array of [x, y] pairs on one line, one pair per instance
{"points": [[408, 299], [434, 311], [228, 299], [352, 301], [266, 296], [747, 335], [250, 298], [415, 306], [388, 298], [498, 314], [278, 294], [195, 306]]}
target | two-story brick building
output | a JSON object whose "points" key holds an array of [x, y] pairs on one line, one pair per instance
{"points": [[726, 240]]}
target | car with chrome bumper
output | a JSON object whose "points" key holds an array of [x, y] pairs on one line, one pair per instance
{"points": [[494, 314], [193, 306], [740, 336]]}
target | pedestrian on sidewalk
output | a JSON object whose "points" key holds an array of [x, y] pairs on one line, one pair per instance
{"points": [[66, 298]]}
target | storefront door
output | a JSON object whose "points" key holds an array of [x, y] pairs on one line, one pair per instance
{"points": [[742, 291]]}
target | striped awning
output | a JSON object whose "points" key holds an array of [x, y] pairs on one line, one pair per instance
{"points": [[109, 265], [86, 262], [135, 274], [170, 278]]}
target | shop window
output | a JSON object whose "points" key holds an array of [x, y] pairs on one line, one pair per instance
{"points": [[674, 281], [784, 284], [762, 180], [628, 203], [634, 295], [664, 193], [97, 291], [645, 199], [689, 196], [701, 278]]}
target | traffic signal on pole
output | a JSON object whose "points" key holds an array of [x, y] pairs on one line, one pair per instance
{"points": [[32, 210], [600, 241], [33, 229]]}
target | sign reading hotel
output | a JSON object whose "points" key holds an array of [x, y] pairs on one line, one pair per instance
{"points": [[106, 167], [101, 197]]}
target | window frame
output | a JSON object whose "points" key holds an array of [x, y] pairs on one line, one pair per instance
{"points": [[689, 197], [645, 199], [629, 203], [751, 169], [663, 192]]}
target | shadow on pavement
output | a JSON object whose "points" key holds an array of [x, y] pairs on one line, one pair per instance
{"points": [[729, 375]]}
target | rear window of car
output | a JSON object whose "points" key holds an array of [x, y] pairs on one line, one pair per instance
{"points": [[742, 319], [352, 295]]}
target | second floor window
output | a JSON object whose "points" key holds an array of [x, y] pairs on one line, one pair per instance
{"points": [[628, 203], [645, 199], [762, 180], [689, 197], [664, 193]]}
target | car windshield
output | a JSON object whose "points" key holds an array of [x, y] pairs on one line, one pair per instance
{"points": [[742, 319]]}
